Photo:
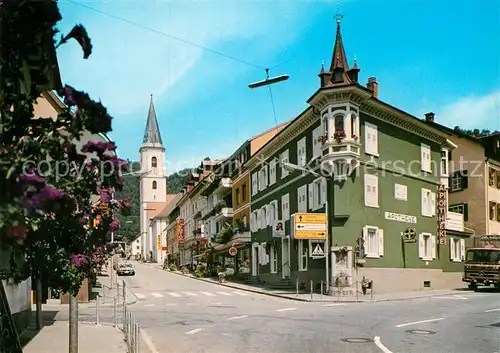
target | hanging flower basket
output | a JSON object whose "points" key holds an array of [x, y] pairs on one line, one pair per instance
{"points": [[354, 137], [339, 135], [323, 139]]}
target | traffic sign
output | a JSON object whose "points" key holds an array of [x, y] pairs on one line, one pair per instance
{"points": [[318, 251], [279, 229], [309, 226]]}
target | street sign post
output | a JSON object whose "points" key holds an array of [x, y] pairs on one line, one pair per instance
{"points": [[310, 226]]}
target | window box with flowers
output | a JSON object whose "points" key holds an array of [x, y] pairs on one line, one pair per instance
{"points": [[339, 135]]}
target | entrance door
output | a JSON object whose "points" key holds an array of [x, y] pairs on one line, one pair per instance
{"points": [[285, 257], [255, 259]]}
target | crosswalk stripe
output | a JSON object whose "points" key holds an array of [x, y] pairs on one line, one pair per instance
{"points": [[239, 293], [140, 295], [208, 294], [177, 295], [190, 294], [223, 293], [157, 295]]}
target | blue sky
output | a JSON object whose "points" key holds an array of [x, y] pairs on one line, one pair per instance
{"points": [[438, 56]]}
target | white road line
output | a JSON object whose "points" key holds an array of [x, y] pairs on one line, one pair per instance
{"points": [[380, 345], [460, 297], [208, 294], [157, 295], [223, 293], [171, 304], [336, 304], [196, 330], [452, 297], [148, 305], [237, 317], [177, 295], [190, 294], [140, 296], [287, 309], [420, 322], [491, 310], [240, 293], [148, 341]]}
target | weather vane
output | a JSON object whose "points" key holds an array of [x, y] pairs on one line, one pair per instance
{"points": [[339, 15]]}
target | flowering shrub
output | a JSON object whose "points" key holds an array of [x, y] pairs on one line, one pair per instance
{"points": [[46, 216], [339, 135]]}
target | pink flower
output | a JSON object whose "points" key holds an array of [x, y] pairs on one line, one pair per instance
{"points": [[79, 260]]}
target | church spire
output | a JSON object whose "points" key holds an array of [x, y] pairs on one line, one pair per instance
{"points": [[152, 132]]}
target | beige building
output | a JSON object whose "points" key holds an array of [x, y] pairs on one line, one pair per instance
{"points": [[474, 180]]}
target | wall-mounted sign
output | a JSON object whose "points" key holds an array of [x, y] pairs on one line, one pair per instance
{"points": [[233, 251], [441, 214], [279, 229], [400, 217], [180, 231], [409, 235]]}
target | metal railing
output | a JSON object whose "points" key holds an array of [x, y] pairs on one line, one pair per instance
{"points": [[358, 290], [132, 333]]}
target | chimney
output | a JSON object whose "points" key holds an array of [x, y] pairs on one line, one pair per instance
{"points": [[429, 117], [372, 85]]}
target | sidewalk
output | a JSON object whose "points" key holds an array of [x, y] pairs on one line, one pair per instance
{"points": [[54, 338], [316, 297]]}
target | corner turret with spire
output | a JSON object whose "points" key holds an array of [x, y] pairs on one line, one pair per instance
{"points": [[339, 73]]}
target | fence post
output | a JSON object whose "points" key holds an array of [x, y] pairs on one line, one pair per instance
{"points": [[297, 286], [357, 295], [311, 289], [137, 338], [371, 292], [321, 290], [97, 310]]}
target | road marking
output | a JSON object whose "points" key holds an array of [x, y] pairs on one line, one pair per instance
{"points": [[157, 295], [452, 297], [171, 304], [148, 341], [491, 310], [196, 330], [240, 293], [237, 317], [140, 296], [420, 322], [148, 305], [177, 295], [336, 304], [223, 293], [287, 309], [191, 304], [190, 294], [380, 345], [208, 294]]}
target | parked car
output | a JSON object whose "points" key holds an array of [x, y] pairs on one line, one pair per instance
{"points": [[126, 269]]}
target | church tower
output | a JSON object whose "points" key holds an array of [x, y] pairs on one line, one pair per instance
{"points": [[153, 180]]}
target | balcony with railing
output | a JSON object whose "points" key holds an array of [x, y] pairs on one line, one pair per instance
{"points": [[225, 186], [455, 221]]}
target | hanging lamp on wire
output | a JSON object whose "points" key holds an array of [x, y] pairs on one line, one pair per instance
{"points": [[268, 80]]}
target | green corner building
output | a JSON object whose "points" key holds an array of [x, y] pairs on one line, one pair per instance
{"points": [[379, 169]]}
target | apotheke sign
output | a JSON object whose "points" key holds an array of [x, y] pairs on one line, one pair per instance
{"points": [[400, 217], [441, 208]]}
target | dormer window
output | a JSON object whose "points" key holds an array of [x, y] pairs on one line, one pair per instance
{"points": [[154, 162], [154, 185]]}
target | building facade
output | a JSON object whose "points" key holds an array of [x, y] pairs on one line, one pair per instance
{"points": [[378, 170]]}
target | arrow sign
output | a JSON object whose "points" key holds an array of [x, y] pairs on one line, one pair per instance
{"points": [[300, 219], [310, 226]]}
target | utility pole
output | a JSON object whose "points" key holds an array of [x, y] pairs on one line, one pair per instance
{"points": [[38, 291]]}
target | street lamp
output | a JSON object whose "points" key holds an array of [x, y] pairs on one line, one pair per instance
{"points": [[293, 167]]}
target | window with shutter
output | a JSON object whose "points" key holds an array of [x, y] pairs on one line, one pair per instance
{"points": [[255, 187], [452, 249], [317, 133], [284, 159], [371, 190], [301, 199], [285, 207], [421, 246], [311, 196], [301, 152], [303, 254], [323, 195], [426, 201], [265, 179], [372, 241], [380, 234], [272, 171], [268, 214], [371, 139], [425, 158]]}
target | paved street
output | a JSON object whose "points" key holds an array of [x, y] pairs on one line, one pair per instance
{"points": [[181, 314]]}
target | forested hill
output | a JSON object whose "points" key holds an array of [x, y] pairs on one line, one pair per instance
{"points": [[130, 225]]}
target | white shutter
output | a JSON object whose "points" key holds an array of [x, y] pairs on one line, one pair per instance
{"points": [[452, 249], [253, 184], [266, 175], [285, 207], [311, 196], [425, 203], [301, 158], [421, 245], [371, 139], [262, 217], [272, 171], [462, 249], [425, 156], [317, 142], [268, 214], [365, 239], [433, 204], [380, 233], [323, 191], [433, 246]]}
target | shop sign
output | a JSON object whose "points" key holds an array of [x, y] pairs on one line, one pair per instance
{"points": [[441, 214], [392, 216], [180, 231]]}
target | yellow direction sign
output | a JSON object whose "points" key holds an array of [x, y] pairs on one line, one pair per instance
{"points": [[309, 226]]}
